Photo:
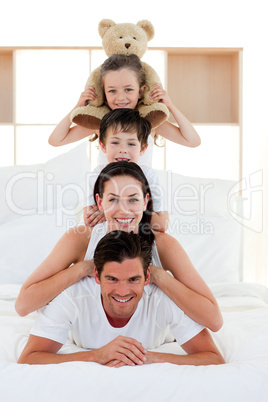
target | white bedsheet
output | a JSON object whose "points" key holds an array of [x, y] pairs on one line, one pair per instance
{"points": [[243, 340]]}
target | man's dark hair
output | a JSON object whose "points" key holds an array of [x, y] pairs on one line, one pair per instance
{"points": [[128, 121], [117, 246]]}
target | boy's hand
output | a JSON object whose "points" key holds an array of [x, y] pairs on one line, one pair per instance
{"points": [[159, 94], [88, 94], [92, 215]]}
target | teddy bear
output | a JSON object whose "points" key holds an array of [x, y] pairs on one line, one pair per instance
{"points": [[123, 38]]}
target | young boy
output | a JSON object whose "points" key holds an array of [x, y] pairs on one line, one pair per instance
{"points": [[124, 137]]}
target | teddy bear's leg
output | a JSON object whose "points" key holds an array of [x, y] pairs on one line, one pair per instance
{"points": [[89, 116], [156, 113]]}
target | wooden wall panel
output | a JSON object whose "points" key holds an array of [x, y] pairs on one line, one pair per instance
{"points": [[204, 86], [6, 87]]}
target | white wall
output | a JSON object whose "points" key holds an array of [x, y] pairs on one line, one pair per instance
{"points": [[192, 23]]}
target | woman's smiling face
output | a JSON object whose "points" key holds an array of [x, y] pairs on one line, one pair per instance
{"points": [[123, 203]]}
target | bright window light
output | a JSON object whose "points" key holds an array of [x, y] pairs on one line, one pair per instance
{"points": [[217, 156], [6, 145], [32, 145], [49, 83]]}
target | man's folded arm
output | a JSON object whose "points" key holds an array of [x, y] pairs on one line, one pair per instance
{"points": [[40, 350], [201, 351]]}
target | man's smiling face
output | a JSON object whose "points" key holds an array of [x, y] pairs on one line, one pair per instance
{"points": [[121, 289]]}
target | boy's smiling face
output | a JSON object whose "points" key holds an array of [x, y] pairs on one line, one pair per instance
{"points": [[122, 146]]}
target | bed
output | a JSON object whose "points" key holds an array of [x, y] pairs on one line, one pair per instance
{"points": [[41, 202]]}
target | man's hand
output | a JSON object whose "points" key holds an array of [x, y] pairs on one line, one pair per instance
{"points": [[92, 215], [121, 351]]}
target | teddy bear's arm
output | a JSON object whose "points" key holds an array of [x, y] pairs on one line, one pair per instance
{"points": [[151, 79]]}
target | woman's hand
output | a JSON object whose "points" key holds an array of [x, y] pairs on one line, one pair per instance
{"points": [[154, 273], [86, 267]]}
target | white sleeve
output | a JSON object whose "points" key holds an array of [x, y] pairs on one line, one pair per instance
{"points": [[92, 177], [156, 189], [182, 327], [54, 320]]}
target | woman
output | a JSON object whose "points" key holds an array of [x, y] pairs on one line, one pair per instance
{"points": [[123, 194]]}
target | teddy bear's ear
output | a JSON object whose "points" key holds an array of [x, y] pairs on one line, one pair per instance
{"points": [[147, 26], [104, 25]]}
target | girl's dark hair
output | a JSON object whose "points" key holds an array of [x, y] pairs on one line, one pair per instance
{"points": [[131, 169], [118, 61]]}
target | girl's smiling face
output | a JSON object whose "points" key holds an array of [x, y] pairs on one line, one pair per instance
{"points": [[122, 89], [123, 203]]}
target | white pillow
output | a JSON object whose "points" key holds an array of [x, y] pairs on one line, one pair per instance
{"points": [[41, 203], [37, 189], [27, 241], [199, 217], [213, 245], [200, 220], [190, 196]]}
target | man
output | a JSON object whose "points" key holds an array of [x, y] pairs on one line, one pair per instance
{"points": [[120, 319]]}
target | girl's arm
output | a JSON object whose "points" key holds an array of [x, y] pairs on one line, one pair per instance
{"points": [[56, 272], [186, 287], [184, 134], [65, 134]]}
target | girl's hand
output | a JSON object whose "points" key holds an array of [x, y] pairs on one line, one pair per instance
{"points": [[88, 94], [159, 94]]}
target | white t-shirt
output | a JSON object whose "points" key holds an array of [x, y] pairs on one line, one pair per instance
{"points": [[151, 176], [79, 309], [145, 159]]}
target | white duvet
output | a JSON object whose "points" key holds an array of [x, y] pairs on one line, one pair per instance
{"points": [[243, 340]]}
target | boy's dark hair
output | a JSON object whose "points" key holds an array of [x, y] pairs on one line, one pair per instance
{"points": [[128, 121], [118, 246]]}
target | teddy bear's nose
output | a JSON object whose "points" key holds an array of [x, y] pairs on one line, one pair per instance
{"points": [[127, 45]]}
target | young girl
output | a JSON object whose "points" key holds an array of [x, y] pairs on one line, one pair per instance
{"points": [[123, 194], [123, 81]]}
